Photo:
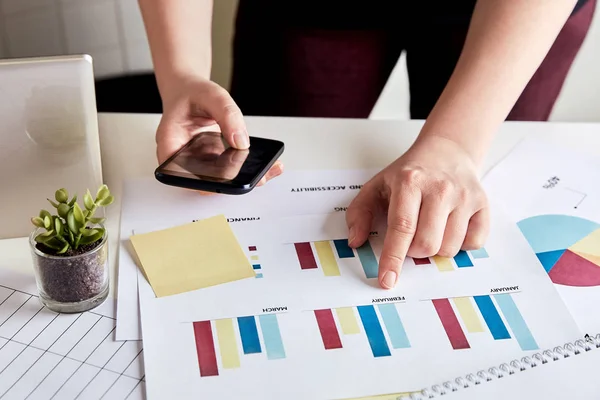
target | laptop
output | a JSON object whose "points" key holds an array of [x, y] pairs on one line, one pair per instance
{"points": [[48, 136]]}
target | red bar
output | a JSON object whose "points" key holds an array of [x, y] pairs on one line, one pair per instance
{"points": [[421, 261], [252, 248], [305, 255], [451, 325], [205, 347], [329, 333]]}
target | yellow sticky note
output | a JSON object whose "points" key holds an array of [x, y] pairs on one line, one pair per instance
{"points": [[191, 256]]}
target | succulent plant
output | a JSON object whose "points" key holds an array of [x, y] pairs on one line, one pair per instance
{"points": [[73, 226]]}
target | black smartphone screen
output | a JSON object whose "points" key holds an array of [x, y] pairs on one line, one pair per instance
{"points": [[208, 157]]}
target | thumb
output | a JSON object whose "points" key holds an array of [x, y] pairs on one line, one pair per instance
{"points": [[170, 137], [229, 117], [359, 216]]}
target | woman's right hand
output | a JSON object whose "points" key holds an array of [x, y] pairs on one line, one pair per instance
{"points": [[195, 105]]}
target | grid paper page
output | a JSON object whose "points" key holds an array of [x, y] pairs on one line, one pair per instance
{"points": [[48, 355]]}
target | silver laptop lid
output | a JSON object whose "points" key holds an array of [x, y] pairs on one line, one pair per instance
{"points": [[48, 136]]}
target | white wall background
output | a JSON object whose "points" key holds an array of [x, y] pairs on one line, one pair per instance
{"points": [[112, 32]]}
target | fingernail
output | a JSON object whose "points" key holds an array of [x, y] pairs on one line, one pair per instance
{"points": [[241, 140], [352, 235], [389, 279]]}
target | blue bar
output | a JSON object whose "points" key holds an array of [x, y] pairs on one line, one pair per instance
{"points": [[272, 336], [343, 249], [259, 275], [394, 326], [479, 253], [256, 266], [462, 259], [516, 322], [370, 322], [368, 260], [249, 335], [491, 317]]}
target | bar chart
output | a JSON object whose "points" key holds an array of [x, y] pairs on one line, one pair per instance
{"points": [[381, 326], [464, 259], [496, 316], [255, 261], [224, 342], [329, 255]]}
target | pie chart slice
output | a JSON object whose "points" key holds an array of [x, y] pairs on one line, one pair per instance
{"points": [[568, 248]]}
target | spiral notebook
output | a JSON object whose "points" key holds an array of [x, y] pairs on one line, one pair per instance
{"points": [[569, 371]]}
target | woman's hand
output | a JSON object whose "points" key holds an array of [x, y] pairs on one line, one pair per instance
{"points": [[197, 105], [434, 204]]}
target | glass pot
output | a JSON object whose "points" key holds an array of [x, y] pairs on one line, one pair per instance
{"points": [[71, 283]]}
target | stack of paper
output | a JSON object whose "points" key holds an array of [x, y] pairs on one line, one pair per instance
{"points": [[312, 322]]}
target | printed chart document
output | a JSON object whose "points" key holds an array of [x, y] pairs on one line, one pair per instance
{"points": [[148, 204], [316, 323], [48, 355], [554, 197]]}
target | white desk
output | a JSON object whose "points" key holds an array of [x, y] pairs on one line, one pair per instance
{"points": [[128, 151]]}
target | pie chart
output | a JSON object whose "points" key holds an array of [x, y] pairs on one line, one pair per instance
{"points": [[568, 247]]}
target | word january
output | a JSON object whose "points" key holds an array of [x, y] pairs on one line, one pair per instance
{"points": [[504, 289]]}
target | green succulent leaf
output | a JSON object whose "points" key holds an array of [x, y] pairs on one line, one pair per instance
{"points": [[78, 214], [106, 201], [47, 222], [88, 201], [88, 232], [102, 193], [61, 195], [54, 243], [44, 213], [44, 237], [74, 226], [54, 204], [73, 200], [77, 240], [91, 235], [37, 221], [64, 249], [62, 239], [63, 210], [97, 220], [59, 227]]}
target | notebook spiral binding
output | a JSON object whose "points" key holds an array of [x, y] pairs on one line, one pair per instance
{"points": [[568, 350]]}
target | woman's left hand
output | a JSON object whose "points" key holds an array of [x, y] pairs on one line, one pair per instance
{"points": [[434, 202]]}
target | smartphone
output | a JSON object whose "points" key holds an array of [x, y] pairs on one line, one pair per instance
{"points": [[207, 163]]}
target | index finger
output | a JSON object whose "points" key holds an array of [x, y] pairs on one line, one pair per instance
{"points": [[403, 214]]}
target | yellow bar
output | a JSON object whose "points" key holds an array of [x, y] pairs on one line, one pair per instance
{"points": [[468, 314], [230, 357], [327, 259], [443, 264], [347, 320], [254, 258]]}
